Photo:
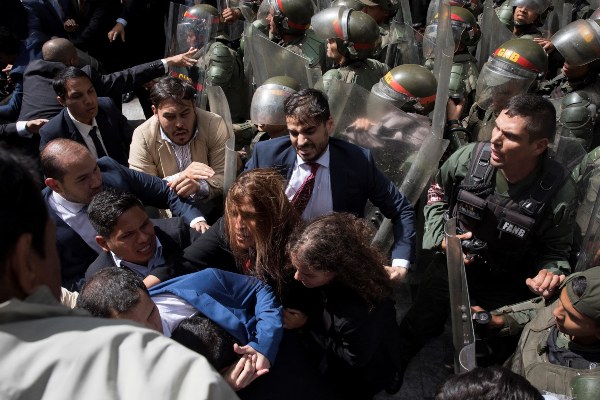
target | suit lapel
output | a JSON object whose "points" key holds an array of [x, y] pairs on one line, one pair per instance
{"points": [[337, 177], [285, 163], [73, 131]]}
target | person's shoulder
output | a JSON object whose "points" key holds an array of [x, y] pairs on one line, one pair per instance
{"points": [[273, 144]]}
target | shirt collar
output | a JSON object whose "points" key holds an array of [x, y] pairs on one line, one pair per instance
{"points": [[81, 127], [156, 259], [323, 161], [70, 206]]}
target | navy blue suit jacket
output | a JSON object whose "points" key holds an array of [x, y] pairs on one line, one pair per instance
{"points": [[354, 180], [75, 255], [242, 305], [113, 126]]}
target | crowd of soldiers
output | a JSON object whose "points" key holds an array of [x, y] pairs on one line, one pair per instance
{"points": [[294, 154]]}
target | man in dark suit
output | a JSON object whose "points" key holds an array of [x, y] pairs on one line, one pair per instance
{"points": [[39, 99], [91, 121], [152, 249], [326, 174], [74, 177]]}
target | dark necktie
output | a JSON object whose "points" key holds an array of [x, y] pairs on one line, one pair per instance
{"points": [[97, 143], [302, 196]]}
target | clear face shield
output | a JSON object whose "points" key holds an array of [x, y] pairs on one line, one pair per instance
{"points": [[431, 32], [267, 104], [383, 91], [499, 81], [578, 42], [537, 6]]}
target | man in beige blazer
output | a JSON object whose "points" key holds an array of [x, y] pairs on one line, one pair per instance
{"points": [[182, 144]]}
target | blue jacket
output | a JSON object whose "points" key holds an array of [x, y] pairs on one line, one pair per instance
{"points": [[242, 305], [75, 255], [354, 180]]}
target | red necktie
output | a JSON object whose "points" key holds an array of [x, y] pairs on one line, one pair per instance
{"points": [[302, 196]]}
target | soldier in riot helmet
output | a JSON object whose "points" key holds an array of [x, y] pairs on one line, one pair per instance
{"points": [[289, 23], [516, 67], [350, 47], [464, 72], [382, 11], [515, 209], [578, 84], [221, 64], [475, 6]]}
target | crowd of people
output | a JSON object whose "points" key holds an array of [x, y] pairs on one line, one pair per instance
{"points": [[222, 248]]}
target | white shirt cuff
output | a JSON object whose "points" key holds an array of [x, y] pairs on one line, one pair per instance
{"points": [[122, 21], [399, 262], [196, 220], [22, 129], [164, 61]]}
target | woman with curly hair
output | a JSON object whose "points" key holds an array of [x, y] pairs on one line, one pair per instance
{"points": [[355, 335]]}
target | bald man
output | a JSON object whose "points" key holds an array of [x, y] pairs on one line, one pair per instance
{"points": [[39, 99]]}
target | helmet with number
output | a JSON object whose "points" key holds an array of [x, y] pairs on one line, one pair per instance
{"points": [[387, 5], [577, 117], [579, 41], [353, 4], [267, 102], [410, 87], [291, 16], [475, 6], [510, 70], [198, 24], [355, 32], [465, 30], [541, 7]]}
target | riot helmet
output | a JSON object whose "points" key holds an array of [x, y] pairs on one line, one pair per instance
{"points": [[475, 6], [387, 5], [509, 71], [579, 41], [291, 16], [198, 24], [353, 4], [577, 117], [541, 7], [267, 103], [465, 30], [411, 87], [355, 33]]}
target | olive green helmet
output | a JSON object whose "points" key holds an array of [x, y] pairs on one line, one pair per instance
{"points": [[577, 117], [585, 387], [355, 32], [505, 14], [353, 4], [292, 16], [510, 70], [387, 5], [475, 6], [203, 16], [465, 30], [267, 102], [410, 87]]}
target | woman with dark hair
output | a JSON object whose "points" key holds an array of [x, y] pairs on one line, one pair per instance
{"points": [[355, 335]]}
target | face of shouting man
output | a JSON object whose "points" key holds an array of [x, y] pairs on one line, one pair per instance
{"points": [[177, 120], [309, 140]]}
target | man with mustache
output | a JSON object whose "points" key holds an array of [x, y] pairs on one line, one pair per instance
{"points": [[183, 145]]}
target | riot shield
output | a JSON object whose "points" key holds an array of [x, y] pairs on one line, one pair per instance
{"points": [[463, 335], [235, 29], [270, 59], [493, 34], [588, 216], [184, 33], [553, 20], [402, 47], [218, 105], [567, 14]]}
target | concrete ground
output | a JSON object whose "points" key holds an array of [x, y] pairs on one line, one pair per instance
{"points": [[429, 369]]}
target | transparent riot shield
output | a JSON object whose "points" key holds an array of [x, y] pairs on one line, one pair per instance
{"points": [[553, 20], [401, 143], [183, 33], [463, 335], [270, 59], [568, 151], [217, 103], [588, 216], [493, 33], [567, 14], [402, 47], [235, 30]]}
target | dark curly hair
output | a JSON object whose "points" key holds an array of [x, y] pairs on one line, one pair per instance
{"points": [[275, 220], [341, 243]]}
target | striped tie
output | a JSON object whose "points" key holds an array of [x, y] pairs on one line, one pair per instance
{"points": [[302, 196]]}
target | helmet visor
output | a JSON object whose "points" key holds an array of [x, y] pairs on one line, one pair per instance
{"points": [[430, 37], [578, 42], [498, 82], [384, 91]]}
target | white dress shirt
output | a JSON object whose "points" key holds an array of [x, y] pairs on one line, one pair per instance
{"points": [[157, 260], [85, 129], [75, 215], [173, 310], [320, 202]]}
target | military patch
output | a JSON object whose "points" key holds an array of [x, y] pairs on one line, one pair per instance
{"points": [[469, 210], [513, 229]]}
